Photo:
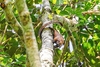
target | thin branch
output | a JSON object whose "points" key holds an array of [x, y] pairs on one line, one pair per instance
{"points": [[7, 40], [65, 20], [91, 12], [94, 11], [3, 33]]}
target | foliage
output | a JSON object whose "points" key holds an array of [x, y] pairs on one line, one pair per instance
{"points": [[87, 37]]}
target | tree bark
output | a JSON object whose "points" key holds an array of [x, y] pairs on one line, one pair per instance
{"points": [[46, 52], [28, 33]]}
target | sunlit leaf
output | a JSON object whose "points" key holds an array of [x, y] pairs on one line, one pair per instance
{"points": [[97, 26], [17, 56], [93, 61], [95, 37], [58, 11], [1, 58], [98, 46], [84, 39], [65, 1], [87, 45], [50, 16], [91, 52], [54, 1]]}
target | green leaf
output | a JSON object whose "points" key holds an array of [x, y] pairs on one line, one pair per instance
{"points": [[93, 61], [87, 45], [98, 46], [65, 1], [91, 52], [1, 47], [2, 17], [58, 11], [95, 37], [59, 2], [97, 27], [54, 1], [63, 13], [22, 58]]}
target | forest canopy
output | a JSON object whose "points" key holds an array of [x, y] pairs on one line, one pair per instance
{"points": [[27, 33]]}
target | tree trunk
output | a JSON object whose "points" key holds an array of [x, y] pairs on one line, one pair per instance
{"points": [[28, 33], [46, 52]]}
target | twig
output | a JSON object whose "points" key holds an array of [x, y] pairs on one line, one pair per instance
{"points": [[4, 33]]}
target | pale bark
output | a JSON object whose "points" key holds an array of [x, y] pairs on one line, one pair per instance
{"points": [[94, 11], [46, 52], [58, 18], [28, 32], [67, 23]]}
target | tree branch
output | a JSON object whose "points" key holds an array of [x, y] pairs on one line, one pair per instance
{"points": [[67, 22], [90, 12], [28, 33], [46, 53], [95, 10]]}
